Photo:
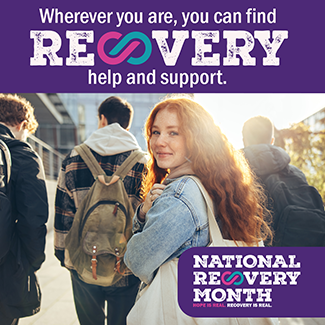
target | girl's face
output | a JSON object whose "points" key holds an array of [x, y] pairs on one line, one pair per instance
{"points": [[166, 142]]}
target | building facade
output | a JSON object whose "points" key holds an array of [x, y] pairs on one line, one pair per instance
{"points": [[83, 109]]}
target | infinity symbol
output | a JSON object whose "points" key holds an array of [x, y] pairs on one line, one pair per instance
{"points": [[232, 279], [128, 50]]}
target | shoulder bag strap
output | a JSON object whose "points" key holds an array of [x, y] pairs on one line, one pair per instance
{"points": [[7, 157], [216, 238]]}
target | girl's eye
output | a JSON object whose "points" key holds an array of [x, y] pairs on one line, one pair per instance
{"points": [[173, 133], [155, 132]]}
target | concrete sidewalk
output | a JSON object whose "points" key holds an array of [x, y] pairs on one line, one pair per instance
{"points": [[57, 307]]}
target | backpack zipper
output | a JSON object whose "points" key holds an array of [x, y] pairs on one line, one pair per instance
{"points": [[117, 205]]}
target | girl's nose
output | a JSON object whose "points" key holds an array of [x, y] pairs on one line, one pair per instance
{"points": [[161, 140]]}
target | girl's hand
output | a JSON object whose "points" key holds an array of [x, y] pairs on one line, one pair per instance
{"points": [[155, 192]]}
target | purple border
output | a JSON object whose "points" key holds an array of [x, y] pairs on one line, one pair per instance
{"points": [[301, 69]]}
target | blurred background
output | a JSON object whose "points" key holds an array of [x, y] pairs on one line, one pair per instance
{"points": [[66, 120]]}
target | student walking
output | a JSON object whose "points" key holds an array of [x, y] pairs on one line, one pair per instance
{"points": [[298, 217], [25, 229], [110, 145], [192, 165]]}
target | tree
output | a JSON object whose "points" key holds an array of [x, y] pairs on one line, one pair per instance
{"points": [[307, 151]]}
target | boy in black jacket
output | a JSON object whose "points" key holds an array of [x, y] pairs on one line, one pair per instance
{"points": [[297, 209], [19, 290]]}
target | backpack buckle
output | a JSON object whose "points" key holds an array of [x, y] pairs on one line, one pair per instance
{"points": [[94, 263]]}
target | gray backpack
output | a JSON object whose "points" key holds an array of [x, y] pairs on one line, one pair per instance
{"points": [[102, 225]]}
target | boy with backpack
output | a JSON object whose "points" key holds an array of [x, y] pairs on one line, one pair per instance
{"points": [[23, 212], [98, 190], [298, 217]]}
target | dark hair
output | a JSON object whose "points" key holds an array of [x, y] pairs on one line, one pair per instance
{"points": [[258, 130], [116, 110]]}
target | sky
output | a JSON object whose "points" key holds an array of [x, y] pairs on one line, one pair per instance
{"points": [[230, 111]]}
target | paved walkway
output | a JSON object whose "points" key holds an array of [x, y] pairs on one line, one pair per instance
{"points": [[57, 303], [57, 306]]}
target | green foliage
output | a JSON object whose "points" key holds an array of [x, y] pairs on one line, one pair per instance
{"points": [[307, 152]]}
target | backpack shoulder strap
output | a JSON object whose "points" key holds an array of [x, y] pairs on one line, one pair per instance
{"points": [[128, 163], [7, 157], [89, 159]]}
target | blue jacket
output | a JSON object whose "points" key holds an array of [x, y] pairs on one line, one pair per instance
{"points": [[176, 222]]}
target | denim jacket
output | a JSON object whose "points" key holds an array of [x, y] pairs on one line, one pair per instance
{"points": [[176, 222]]}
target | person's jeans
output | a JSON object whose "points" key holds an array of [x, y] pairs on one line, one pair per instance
{"points": [[90, 302]]}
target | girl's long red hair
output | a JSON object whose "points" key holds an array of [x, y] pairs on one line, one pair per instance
{"points": [[224, 172]]}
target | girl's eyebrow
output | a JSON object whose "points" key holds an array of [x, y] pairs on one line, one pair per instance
{"points": [[168, 127]]}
